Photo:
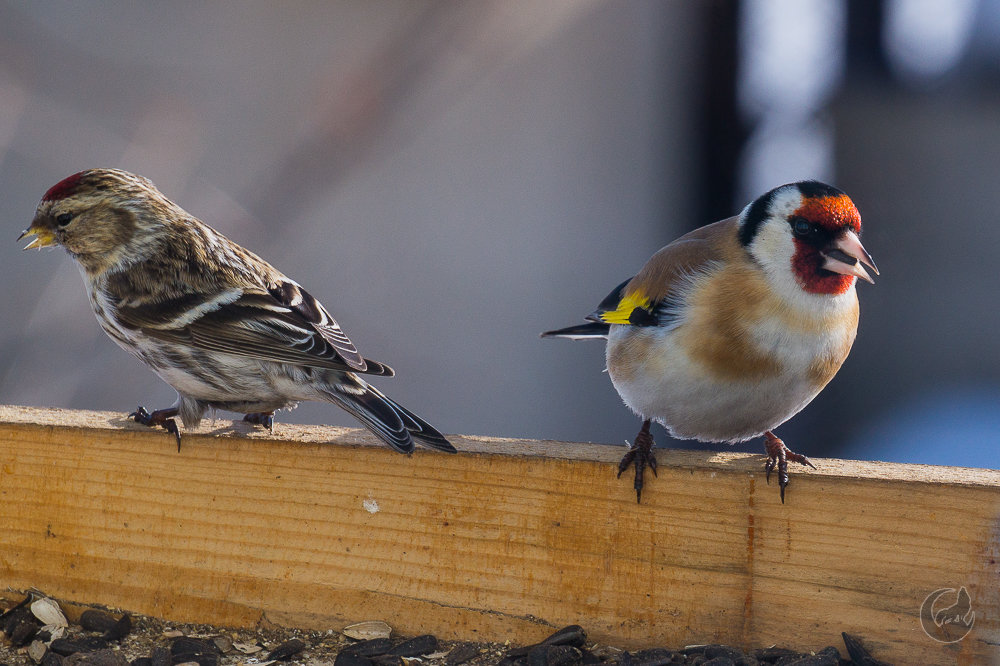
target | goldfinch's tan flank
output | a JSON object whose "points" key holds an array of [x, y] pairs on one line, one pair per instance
{"points": [[730, 330]]}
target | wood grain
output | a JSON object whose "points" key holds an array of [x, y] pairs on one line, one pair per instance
{"points": [[320, 527]]}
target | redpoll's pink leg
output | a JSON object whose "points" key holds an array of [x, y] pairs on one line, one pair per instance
{"points": [[265, 419], [160, 417], [641, 455], [778, 455]]}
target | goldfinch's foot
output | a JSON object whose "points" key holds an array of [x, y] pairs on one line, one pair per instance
{"points": [[160, 417], [778, 456], [641, 455], [265, 419]]}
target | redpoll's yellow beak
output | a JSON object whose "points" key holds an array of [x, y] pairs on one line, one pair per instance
{"points": [[42, 237]]}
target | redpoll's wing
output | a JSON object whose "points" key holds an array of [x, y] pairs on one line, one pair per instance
{"points": [[293, 296], [245, 323]]}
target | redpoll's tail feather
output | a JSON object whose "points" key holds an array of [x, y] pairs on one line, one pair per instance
{"points": [[422, 430], [390, 422], [377, 369]]}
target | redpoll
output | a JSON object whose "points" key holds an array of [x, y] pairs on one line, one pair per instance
{"points": [[215, 321]]}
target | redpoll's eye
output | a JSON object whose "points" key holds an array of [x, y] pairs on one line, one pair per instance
{"points": [[63, 219], [801, 227]]}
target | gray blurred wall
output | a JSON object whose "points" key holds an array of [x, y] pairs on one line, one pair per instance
{"points": [[449, 179]]}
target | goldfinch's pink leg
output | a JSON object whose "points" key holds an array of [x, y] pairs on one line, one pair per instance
{"points": [[160, 417], [641, 455], [265, 419], [778, 455]]}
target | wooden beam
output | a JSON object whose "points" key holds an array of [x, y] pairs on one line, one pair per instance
{"points": [[320, 527]]}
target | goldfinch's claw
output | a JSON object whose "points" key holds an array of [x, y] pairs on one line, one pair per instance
{"points": [[160, 417], [265, 419], [641, 455], [778, 456]]}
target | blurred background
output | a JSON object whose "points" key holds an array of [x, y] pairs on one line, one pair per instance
{"points": [[450, 179]]}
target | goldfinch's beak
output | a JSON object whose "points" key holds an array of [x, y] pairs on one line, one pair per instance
{"points": [[845, 256], [42, 237]]}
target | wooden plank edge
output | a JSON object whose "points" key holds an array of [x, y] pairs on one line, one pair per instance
{"points": [[721, 461]]}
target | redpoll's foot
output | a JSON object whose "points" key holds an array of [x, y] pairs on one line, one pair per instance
{"points": [[641, 455], [265, 419], [160, 417], [778, 455]]}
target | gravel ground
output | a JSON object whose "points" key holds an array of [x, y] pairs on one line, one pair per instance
{"points": [[36, 633]]}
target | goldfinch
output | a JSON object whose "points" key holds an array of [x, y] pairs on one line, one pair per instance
{"points": [[219, 324], [732, 329]]}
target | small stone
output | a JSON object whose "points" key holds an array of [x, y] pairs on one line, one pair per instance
{"points": [[104, 657], [652, 657], [717, 661], [51, 659], [773, 654], [96, 620], [516, 653], [733, 654], [48, 612], [141, 661], [17, 607], [160, 656], [23, 633], [370, 648], [367, 630], [571, 635], [415, 647], [822, 658], [36, 651], [387, 660], [461, 654], [286, 650], [859, 654], [184, 649], [562, 655], [68, 646], [17, 616], [351, 659], [119, 630]]}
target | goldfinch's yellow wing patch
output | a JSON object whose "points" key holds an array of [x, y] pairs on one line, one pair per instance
{"points": [[623, 313], [627, 309]]}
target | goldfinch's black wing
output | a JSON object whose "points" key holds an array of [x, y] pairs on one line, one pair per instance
{"points": [[653, 296], [283, 324], [596, 328]]}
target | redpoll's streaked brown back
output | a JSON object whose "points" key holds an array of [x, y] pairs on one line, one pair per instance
{"points": [[215, 321]]}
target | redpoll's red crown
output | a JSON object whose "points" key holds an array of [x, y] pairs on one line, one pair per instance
{"points": [[98, 180], [64, 188]]}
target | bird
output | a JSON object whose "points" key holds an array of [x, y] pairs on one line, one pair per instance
{"points": [[216, 322], [730, 330]]}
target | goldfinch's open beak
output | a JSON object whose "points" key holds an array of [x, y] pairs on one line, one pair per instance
{"points": [[845, 256], [42, 237]]}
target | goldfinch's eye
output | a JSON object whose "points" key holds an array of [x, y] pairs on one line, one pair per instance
{"points": [[801, 227], [63, 219]]}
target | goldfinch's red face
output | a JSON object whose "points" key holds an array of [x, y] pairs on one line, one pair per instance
{"points": [[811, 231]]}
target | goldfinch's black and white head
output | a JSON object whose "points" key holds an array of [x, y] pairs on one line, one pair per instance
{"points": [[806, 234]]}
